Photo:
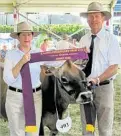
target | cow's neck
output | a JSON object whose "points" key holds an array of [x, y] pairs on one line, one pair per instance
{"points": [[62, 96]]}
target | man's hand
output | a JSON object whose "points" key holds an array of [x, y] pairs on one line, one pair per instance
{"points": [[94, 81], [87, 50]]}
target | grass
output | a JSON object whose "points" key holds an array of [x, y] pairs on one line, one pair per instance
{"points": [[75, 115]]}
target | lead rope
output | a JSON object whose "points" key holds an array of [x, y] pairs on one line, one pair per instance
{"points": [[55, 98], [91, 125], [55, 90]]}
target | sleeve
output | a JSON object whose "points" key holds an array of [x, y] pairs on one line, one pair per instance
{"points": [[58, 45], [114, 53], [81, 45], [7, 73], [72, 46]]}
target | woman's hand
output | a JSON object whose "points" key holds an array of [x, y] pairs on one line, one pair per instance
{"points": [[19, 65], [26, 58]]}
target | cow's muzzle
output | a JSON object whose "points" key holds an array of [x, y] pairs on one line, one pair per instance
{"points": [[85, 97]]}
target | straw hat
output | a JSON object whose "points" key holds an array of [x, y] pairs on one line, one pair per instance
{"points": [[23, 27], [96, 7]]}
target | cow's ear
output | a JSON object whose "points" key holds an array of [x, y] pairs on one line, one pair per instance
{"points": [[47, 70], [69, 63]]}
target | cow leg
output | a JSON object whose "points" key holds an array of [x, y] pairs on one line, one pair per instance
{"points": [[41, 130]]}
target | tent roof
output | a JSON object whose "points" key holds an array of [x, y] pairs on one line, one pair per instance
{"points": [[64, 6]]}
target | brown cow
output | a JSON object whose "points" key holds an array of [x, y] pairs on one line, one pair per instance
{"points": [[70, 83], [3, 89]]}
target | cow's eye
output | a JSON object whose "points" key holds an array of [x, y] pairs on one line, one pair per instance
{"points": [[84, 82], [64, 80]]}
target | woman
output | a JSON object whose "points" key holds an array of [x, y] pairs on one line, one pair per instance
{"points": [[14, 61]]}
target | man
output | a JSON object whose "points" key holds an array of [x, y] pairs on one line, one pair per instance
{"points": [[102, 65], [64, 43], [3, 53]]}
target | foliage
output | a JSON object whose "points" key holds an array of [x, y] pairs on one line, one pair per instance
{"points": [[65, 28], [6, 29], [58, 29], [40, 39]]}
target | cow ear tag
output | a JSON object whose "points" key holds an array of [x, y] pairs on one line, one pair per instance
{"points": [[64, 125]]}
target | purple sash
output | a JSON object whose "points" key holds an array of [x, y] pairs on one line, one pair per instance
{"points": [[29, 109]]}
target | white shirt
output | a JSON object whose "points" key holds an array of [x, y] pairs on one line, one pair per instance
{"points": [[106, 51], [64, 44], [12, 58]]}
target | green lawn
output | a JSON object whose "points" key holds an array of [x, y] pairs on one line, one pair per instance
{"points": [[75, 114]]}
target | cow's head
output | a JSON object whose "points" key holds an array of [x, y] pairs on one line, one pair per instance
{"points": [[72, 80]]}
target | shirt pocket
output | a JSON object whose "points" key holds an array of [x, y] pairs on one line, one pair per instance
{"points": [[104, 52]]}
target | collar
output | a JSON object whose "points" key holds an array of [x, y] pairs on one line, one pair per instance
{"points": [[17, 49], [100, 34]]}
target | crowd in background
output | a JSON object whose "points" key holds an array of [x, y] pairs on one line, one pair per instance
{"points": [[117, 30], [3, 53], [47, 45]]}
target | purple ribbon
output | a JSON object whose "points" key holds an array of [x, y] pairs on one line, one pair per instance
{"points": [[29, 109], [28, 96], [72, 54]]}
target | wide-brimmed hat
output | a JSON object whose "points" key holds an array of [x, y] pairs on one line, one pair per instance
{"points": [[23, 27], [96, 7]]}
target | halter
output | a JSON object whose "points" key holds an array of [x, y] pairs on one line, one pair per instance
{"points": [[59, 121]]}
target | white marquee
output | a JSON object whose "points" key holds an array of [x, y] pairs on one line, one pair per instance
{"points": [[62, 6]]}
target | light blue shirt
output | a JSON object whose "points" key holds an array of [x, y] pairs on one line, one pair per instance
{"points": [[106, 51], [12, 58]]}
